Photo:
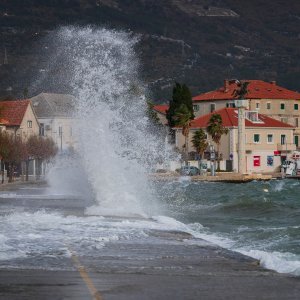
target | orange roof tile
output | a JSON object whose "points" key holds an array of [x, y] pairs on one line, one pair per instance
{"points": [[161, 108], [257, 89], [13, 111], [230, 119]]}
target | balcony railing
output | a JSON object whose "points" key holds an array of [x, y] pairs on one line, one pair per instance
{"points": [[265, 146]]}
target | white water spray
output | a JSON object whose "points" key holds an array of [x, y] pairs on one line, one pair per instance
{"points": [[114, 139]]}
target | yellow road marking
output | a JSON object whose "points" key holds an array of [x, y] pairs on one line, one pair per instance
{"points": [[85, 277]]}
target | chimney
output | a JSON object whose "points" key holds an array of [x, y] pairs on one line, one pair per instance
{"points": [[273, 82], [226, 85]]}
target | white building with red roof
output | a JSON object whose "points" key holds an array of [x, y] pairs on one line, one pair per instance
{"points": [[264, 97], [19, 118], [267, 140]]}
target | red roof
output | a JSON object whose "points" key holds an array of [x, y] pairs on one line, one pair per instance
{"points": [[13, 111], [257, 89], [230, 119], [161, 108]]}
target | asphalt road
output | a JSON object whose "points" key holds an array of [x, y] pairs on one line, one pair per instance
{"points": [[159, 264]]}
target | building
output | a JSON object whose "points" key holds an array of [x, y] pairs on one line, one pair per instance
{"points": [[161, 111], [19, 118], [267, 140], [264, 97], [54, 112]]}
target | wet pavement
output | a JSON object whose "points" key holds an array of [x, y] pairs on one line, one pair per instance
{"points": [[146, 263]]}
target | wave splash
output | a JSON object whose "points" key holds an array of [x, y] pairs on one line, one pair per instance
{"points": [[114, 133]]}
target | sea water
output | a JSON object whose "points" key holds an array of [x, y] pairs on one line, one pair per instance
{"points": [[117, 148], [259, 219]]}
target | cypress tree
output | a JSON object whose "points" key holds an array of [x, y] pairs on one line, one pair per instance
{"points": [[181, 95]]}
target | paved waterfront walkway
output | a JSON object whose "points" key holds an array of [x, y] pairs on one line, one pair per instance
{"points": [[220, 177], [164, 265]]}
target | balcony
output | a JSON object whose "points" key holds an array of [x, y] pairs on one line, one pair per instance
{"points": [[271, 147]]}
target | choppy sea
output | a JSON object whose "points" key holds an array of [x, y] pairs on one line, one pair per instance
{"points": [[259, 219]]}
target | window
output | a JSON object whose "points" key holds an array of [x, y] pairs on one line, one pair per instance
{"points": [[257, 105], [230, 104], [296, 140], [282, 106], [270, 160], [42, 129], [296, 106], [297, 122], [252, 116], [195, 107], [284, 120], [29, 124], [268, 105], [270, 138], [256, 138], [283, 139], [212, 107]]}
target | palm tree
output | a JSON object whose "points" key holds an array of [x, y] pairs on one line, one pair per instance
{"points": [[200, 144], [242, 89], [216, 129], [182, 118]]}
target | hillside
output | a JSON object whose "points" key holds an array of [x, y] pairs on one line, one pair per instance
{"points": [[192, 41]]}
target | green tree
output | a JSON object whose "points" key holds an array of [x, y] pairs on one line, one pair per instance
{"points": [[181, 95], [200, 143], [216, 129], [182, 119], [242, 89]]}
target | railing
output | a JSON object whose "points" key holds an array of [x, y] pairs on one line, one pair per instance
{"points": [[265, 146]]}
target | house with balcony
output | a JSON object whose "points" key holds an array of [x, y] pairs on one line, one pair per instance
{"points": [[266, 98], [55, 115], [267, 141]]}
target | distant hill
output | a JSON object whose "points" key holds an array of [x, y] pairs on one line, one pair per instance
{"points": [[192, 41]]}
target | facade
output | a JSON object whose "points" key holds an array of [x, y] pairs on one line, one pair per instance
{"points": [[54, 112], [19, 118], [264, 97], [267, 140]]}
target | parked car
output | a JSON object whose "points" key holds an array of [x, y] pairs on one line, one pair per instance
{"points": [[189, 170]]}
